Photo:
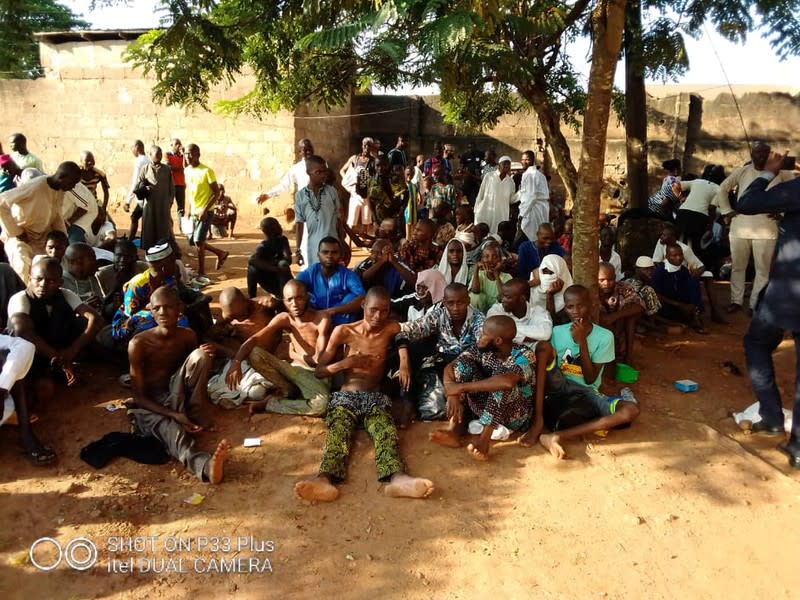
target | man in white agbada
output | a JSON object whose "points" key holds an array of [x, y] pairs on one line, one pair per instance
{"points": [[533, 196], [296, 178], [28, 213], [495, 196]]}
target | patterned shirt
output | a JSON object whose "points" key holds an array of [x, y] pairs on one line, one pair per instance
{"points": [[384, 205], [444, 234], [441, 192], [419, 258], [623, 295], [648, 295], [664, 202], [92, 178], [133, 316], [437, 320]]}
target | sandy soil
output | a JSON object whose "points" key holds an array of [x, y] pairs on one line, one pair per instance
{"points": [[683, 504]]}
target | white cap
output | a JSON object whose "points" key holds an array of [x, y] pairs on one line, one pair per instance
{"points": [[645, 262], [504, 159]]}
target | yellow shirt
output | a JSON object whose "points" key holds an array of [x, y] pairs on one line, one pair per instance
{"points": [[198, 187]]}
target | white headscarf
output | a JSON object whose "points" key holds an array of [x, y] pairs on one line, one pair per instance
{"points": [[444, 268], [560, 270]]}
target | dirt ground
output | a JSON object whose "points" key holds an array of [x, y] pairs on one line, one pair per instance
{"points": [[683, 504]]}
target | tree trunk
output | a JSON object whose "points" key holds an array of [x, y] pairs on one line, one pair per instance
{"points": [[635, 108], [551, 127], [608, 19]]}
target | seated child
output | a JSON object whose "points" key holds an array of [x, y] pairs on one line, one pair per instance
{"points": [[224, 217], [268, 266], [308, 331], [384, 268], [80, 276], [487, 277], [678, 290], [496, 380], [54, 320], [465, 226], [608, 238], [113, 277], [620, 307], [420, 253], [640, 283], [169, 376], [453, 265], [365, 346], [445, 231], [579, 351]]}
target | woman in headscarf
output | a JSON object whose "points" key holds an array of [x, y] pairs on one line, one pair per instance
{"points": [[548, 283], [453, 265], [429, 291]]}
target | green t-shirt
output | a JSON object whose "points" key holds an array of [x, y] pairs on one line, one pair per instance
{"points": [[600, 342]]}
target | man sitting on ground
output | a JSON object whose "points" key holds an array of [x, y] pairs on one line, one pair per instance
{"points": [[169, 379], [679, 291], [308, 331], [80, 276], [113, 277], [533, 322], [531, 253], [335, 289], [54, 320], [268, 266], [579, 351], [620, 307], [496, 379], [640, 283], [420, 253], [365, 345], [384, 268]]}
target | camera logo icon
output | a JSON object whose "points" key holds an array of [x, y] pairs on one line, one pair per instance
{"points": [[46, 554]]}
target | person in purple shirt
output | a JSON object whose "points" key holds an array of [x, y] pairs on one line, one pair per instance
{"points": [[335, 290], [532, 253]]}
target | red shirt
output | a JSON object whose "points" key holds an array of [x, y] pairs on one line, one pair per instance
{"points": [[176, 161]]}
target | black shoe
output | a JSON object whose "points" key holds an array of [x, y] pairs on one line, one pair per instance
{"points": [[793, 452], [765, 429]]}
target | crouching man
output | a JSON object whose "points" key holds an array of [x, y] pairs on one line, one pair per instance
{"points": [[169, 377]]}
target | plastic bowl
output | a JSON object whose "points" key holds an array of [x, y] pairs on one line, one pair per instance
{"points": [[626, 373]]}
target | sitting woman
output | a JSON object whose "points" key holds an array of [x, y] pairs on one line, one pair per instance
{"points": [[678, 290], [429, 291], [453, 265], [548, 283], [487, 278]]}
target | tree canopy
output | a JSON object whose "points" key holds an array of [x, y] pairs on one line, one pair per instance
{"points": [[19, 20]]}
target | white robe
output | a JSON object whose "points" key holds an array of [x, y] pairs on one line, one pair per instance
{"points": [[534, 205], [494, 198]]}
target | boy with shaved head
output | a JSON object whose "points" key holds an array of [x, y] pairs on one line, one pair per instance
{"points": [[496, 381], [169, 379], [365, 347], [308, 331], [579, 351]]}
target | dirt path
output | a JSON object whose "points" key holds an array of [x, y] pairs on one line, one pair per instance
{"points": [[683, 504]]}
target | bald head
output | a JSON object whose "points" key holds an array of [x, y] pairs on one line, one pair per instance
{"points": [[67, 176], [498, 333], [234, 304]]}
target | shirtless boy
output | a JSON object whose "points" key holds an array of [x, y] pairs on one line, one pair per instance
{"points": [[169, 378], [308, 333], [365, 344], [244, 316]]}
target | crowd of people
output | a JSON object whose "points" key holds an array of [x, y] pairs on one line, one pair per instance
{"points": [[464, 311]]}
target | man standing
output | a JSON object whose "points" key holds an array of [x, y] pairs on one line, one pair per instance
{"points": [[20, 154], [177, 163], [533, 196], [776, 308], [495, 196], [397, 155], [296, 178], [317, 212], [335, 290], [28, 213], [202, 193], [91, 177], [751, 233], [139, 160]]}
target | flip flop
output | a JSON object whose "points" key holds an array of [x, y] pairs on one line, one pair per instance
{"points": [[42, 456], [221, 260]]}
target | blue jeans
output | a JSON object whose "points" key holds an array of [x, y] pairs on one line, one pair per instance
{"points": [[760, 342]]}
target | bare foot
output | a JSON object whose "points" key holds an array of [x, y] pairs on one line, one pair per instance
{"points": [[408, 415], [221, 259], [477, 453], [319, 488], [214, 467], [528, 439], [405, 486], [551, 441], [445, 437]]}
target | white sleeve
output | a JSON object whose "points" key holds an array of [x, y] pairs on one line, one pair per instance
{"points": [[19, 303], [659, 252], [72, 298], [18, 362], [691, 258], [540, 329]]}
